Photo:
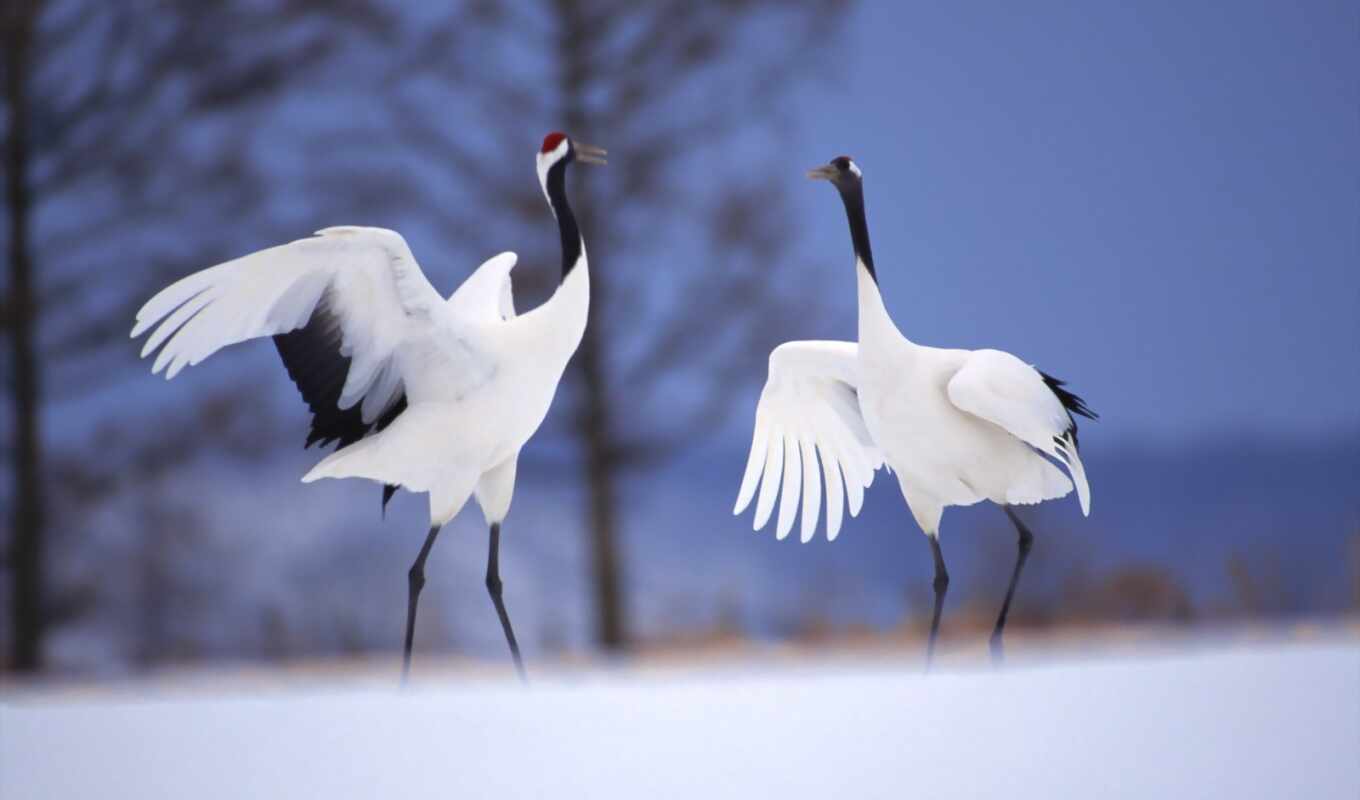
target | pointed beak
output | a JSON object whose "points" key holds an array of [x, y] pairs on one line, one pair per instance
{"points": [[826, 172], [589, 153]]}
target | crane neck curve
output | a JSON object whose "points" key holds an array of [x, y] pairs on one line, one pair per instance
{"points": [[853, 197], [876, 327], [555, 187]]}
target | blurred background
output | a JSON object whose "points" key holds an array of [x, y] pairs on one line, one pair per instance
{"points": [[1159, 203]]}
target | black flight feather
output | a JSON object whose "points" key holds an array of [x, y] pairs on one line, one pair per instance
{"points": [[1071, 402], [311, 354]]}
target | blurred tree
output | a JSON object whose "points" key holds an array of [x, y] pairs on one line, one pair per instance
{"points": [[1353, 555], [690, 98], [122, 123]]}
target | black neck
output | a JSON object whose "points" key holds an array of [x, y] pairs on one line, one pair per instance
{"points": [[566, 221], [853, 196]]}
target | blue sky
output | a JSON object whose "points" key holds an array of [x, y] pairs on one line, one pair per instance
{"points": [[1159, 202]]}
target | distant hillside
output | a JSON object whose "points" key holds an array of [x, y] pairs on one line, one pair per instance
{"points": [[1275, 526]]}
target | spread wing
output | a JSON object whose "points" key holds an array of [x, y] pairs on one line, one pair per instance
{"points": [[1031, 406], [338, 305], [809, 409]]}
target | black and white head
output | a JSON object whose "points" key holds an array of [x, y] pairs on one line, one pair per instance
{"points": [[559, 150], [842, 171]]}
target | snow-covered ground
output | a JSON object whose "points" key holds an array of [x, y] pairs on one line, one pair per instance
{"points": [[1262, 720]]}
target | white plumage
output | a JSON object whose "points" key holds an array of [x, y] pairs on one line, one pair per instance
{"points": [[808, 412], [1007, 392], [478, 380], [428, 394], [956, 426]]}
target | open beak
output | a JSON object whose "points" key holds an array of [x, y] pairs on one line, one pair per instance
{"points": [[589, 153], [826, 172]]}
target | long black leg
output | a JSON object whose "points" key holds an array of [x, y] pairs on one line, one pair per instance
{"points": [[415, 582], [941, 586], [493, 585], [1026, 542]]}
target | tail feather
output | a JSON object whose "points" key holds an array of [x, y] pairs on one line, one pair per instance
{"points": [[400, 457], [1071, 403], [347, 462], [1065, 447]]}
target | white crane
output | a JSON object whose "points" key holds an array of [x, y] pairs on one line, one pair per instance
{"points": [[418, 392], [956, 426]]}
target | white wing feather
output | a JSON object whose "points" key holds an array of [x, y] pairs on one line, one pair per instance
{"points": [[368, 276], [1007, 392], [486, 296], [808, 409]]}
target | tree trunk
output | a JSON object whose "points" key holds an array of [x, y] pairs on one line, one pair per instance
{"points": [[26, 543], [594, 423], [610, 628]]}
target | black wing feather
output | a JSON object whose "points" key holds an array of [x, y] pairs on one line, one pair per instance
{"points": [[311, 354], [1070, 401]]}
